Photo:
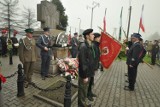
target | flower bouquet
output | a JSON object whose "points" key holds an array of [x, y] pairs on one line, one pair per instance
{"points": [[68, 66]]}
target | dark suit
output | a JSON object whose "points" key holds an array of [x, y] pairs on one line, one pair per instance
{"points": [[44, 41], [97, 53], [155, 49], [4, 45], [15, 49], [74, 44], [133, 59]]}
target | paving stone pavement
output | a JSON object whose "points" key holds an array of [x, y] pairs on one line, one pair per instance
{"points": [[108, 86]]}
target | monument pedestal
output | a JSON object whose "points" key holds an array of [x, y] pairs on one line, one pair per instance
{"points": [[53, 68], [60, 52]]}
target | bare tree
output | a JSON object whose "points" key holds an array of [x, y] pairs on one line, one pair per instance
{"points": [[28, 18], [8, 11]]}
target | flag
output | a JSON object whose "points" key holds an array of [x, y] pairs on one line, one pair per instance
{"points": [[104, 21], [120, 28], [141, 25], [109, 49]]}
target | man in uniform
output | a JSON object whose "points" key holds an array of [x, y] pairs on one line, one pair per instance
{"points": [[86, 58], [74, 44], [28, 55], [133, 60], [44, 43], [4, 40], [154, 51]]}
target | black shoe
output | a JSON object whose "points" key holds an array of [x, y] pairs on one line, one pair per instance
{"points": [[26, 85], [93, 95], [128, 89], [48, 76], [89, 105], [126, 74], [90, 98], [85, 105], [127, 81], [43, 78], [102, 69]]}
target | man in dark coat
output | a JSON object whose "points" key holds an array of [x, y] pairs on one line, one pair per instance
{"points": [[15, 44], [44, 43], [74, 44], [133, 60], [96, 43], [86, 58], [154, 51], [4, 40]]}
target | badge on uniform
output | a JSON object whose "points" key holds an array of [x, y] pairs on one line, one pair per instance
{"points": [[133, 59]]}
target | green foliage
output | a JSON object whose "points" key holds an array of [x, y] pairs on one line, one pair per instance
{"points": [[158, 61], [147, 59], [63, 17], [122, 54]]}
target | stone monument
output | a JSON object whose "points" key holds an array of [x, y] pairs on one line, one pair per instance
{"points": [[47, 14]]}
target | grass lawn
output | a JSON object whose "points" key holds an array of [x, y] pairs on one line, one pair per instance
{"points": [[147, 59]]}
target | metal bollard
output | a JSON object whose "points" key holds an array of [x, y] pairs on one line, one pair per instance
{"points": [[20, 82], [0, 85], [1, 96], [67, 96], [10, 57]]}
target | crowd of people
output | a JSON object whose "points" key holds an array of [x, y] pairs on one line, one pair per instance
{"points": [[7, 44], [84, 47], [153, 50]]}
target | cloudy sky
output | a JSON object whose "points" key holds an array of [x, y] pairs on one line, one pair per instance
{"points": [[78, 9]]}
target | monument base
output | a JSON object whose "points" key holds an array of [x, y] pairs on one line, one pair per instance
{"points": [[53, 68]]}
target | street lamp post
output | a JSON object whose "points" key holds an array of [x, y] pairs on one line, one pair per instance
{"points": [[95, 4], [79, 25]]}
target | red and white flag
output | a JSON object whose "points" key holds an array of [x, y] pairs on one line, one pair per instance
{"points": [[104, 21], [109, 49], [141, 25]]}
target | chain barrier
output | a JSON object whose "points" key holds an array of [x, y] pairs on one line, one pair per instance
{"points": [[75, 86], [35, 86], [12, 75], [46, 90]]}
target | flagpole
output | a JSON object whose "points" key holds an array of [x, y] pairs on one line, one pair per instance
{"points": [[130, 9], [140, 18], [120, 28], [70, 31], [105, 11]]}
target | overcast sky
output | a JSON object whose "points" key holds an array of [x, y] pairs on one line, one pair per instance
{"points": [[78, 9]]}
